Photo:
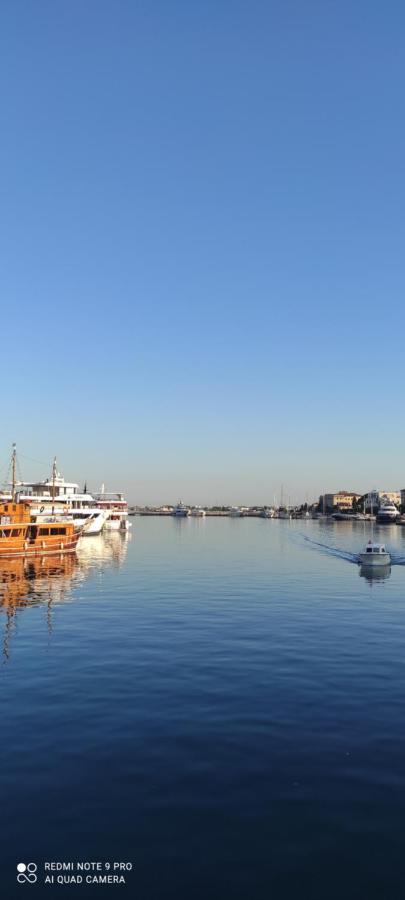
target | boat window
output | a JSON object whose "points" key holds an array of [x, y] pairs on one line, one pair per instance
{"points": [[369, 549], [44, 530], [58, 530], [16, 532]]}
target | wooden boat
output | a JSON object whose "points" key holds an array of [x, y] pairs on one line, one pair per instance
{"points": [[20, 535]]}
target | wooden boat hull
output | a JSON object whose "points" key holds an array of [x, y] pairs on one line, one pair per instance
{"points": [[50, 547]]}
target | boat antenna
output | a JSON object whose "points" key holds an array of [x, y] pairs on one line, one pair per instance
{"points": [[13, 469], [53, 484]]}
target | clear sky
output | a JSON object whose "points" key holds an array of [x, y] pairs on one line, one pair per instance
{"points": [[202, 245]]}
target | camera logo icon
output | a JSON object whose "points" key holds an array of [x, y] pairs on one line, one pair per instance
{"points": [[27, 872]]}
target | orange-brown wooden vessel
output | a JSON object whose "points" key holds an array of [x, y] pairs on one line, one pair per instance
{"points": [[22, 536]]}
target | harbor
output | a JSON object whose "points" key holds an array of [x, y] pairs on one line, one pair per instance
{"points": [[164, 673], [343, 506]]}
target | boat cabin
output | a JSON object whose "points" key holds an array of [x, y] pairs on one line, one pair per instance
{"points": [[375, 548], [11, 512]]}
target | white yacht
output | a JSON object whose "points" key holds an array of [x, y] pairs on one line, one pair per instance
{"points": [[387, 512], [55, 497], [374, 555], [267, 513], [116, 508], [235, 512], [181, 511], [198, 512]]}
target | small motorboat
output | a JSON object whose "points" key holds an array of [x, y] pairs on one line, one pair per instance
{"points": [[374, 555]]}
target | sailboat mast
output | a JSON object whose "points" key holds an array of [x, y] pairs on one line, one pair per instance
{"points": [[53, 484], [14, 473]]}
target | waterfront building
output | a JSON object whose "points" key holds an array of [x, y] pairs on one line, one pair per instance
{"points": [[374, 499], [341, 500]]}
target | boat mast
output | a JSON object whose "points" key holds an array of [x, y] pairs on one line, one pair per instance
{"points": [[53, 484], [13, 470]]}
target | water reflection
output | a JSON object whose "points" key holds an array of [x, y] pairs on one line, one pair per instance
{"points": [[24, 582], [375, 573], [95, 552], [49, 580]]}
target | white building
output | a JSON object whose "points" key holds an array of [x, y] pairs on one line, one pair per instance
{"points": [[375, 498]]}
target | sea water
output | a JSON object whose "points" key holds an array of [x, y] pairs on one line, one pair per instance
{"points": [[218, 703]]}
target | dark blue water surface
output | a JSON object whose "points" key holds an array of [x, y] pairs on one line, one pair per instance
{"points": [[220, 702]]}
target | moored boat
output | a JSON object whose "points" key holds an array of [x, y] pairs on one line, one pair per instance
{"points": [[181, 510], [56, 497], [267, 513], [20, 535], [387, 513], [117, 510]]}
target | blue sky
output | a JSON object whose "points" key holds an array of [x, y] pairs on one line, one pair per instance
{"points": [[202, 235]]}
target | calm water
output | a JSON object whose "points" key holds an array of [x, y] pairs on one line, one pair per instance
{"points": [[219, 701]]}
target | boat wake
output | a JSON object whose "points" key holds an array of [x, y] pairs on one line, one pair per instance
{"points": [[344, 554], [397, 560], [334, 551]]}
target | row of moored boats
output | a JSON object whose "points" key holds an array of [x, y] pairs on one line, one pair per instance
{"points": [[38, 518]]}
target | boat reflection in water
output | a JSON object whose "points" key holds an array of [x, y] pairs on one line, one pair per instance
{"points": [[375, 573], [95, 552], [49, 580]]}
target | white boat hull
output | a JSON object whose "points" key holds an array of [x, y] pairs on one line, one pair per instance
{"points": [[374, 559], [117, 524], [93, 525]]}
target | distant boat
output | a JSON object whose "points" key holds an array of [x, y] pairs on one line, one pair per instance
{"points": [[267, 513], [235, 512], [181, 511], [198, 512], [340, 516], [387, 513]]}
